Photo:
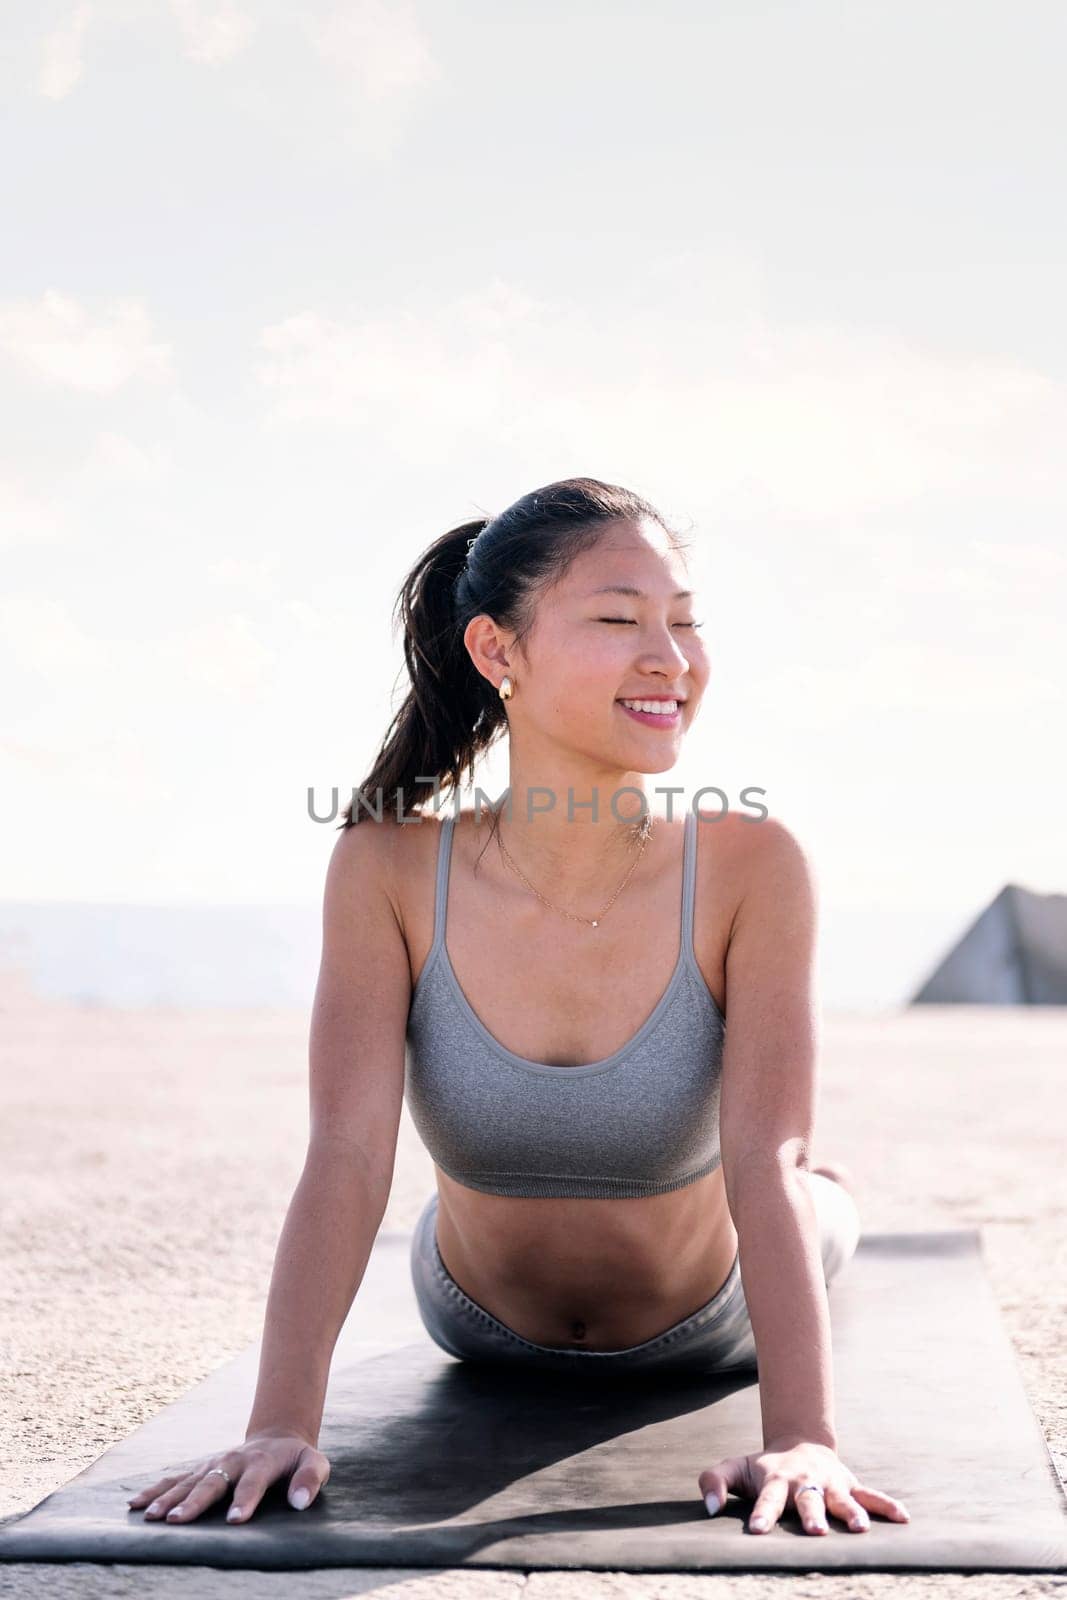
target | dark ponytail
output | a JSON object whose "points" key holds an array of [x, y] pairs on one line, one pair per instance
{"points": [[452, 714]]}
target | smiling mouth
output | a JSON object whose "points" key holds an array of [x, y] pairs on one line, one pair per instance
{"points": [[651, 699], [667, 712]]}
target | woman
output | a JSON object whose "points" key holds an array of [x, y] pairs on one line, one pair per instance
{"points": [[620, 1184]]}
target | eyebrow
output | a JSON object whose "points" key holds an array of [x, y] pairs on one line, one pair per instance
{"points": [[636, 594]]}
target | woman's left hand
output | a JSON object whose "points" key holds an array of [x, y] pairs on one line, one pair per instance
{"points": [[774, 1475]]}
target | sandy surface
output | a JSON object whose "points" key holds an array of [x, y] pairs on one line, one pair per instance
{"points": [[147, 1159]]}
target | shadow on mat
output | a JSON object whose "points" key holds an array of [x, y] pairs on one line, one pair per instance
{"points": [[417, 1439]]}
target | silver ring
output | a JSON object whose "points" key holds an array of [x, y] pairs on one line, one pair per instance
{"points": [[219, 1470], [815, 1487]]}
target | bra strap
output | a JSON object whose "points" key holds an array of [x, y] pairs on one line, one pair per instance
{"points": [[689, 863], [440, 900]]}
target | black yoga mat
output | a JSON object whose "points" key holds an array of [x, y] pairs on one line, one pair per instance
{"points": [[440, 1463]]}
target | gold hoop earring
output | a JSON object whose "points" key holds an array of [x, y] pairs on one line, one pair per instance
{"points": [[505, 688]]}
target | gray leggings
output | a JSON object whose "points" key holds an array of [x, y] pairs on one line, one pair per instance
{"points": [[713, 1338]]}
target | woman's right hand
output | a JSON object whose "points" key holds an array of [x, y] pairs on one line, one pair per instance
{"points": [[252, 1467]]}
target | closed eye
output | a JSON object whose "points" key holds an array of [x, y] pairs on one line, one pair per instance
{"points": [[633, 623]]}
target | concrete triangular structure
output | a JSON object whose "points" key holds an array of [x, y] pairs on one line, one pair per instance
{"points": [[1014, 954]]}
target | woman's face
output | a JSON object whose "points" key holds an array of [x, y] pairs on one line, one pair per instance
{"points": [[593, 647]]}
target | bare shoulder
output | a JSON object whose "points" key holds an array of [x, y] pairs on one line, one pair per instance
{"points": [[362, 999], [400, 856], [749, 861], [363, 853], [741, 837], [756, 844], [370, 861]]}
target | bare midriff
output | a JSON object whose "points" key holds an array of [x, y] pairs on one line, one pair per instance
{"points": [[588, 1274]]}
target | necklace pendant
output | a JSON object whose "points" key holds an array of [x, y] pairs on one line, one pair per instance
{"points": [[594, 922]]}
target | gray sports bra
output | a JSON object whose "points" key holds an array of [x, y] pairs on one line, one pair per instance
{"points": [[643, 1120]]}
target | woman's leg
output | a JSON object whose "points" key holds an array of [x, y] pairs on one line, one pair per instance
{"points": [[838, 1218]]}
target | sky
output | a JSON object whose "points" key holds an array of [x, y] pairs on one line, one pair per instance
{"points": [[288, 290]]}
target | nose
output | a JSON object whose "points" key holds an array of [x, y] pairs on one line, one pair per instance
{"points": [[669, 658]]}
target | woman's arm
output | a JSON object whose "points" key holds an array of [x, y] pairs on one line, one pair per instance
{"points": [[322, 1254], [766, 1128], [356, 1065], [357, 1048], [767, 1116]]}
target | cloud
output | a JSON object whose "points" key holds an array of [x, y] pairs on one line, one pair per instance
{"points": [[212, 34], [80, 672], [760, 418], [115, 459], [309, 619], [223, 654], [40, 635], [1011, 595], [113, 764], [377, 43], [1032, 560], [56, 338], [40, 758], [61, 63], [25, 517], [260, 575], [925, 680], [425, 377]]}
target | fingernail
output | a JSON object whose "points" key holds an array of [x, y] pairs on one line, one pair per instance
{"points": [[859, 1522], [154, 1507], [175, 1511], [234, 1514], [299, 1498], [758, 1524], [712, 1502]]}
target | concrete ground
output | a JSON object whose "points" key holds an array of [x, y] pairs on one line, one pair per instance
{"points": [[147, 1159]]}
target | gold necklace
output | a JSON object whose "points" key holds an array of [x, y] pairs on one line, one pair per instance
{"points": [[592, 922]]}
